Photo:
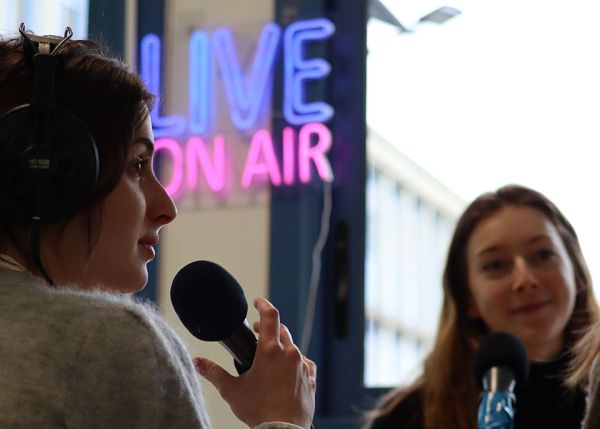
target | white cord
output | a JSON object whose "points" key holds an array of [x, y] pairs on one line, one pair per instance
{"points": [[311, 302]]}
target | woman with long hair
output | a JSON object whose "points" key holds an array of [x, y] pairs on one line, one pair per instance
{"points": [[514, 265]]}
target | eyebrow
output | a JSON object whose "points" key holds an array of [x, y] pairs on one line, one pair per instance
{"points": [[538, 238], [146, 142], [494, 248]]}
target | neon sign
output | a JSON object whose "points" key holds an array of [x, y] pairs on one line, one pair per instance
{"points": [[305, 143]]}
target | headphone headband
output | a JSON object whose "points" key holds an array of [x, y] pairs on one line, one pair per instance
{"points": [[49, 45]]}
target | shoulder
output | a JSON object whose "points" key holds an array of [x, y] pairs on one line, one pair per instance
{"points": [[82, 323], [408, 413], [130, 352], [105, 357], [110, 322], [68, 307]]}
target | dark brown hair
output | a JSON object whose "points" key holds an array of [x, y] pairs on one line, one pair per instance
{"points": [[448, 387], [101, 91], [109, 98]]}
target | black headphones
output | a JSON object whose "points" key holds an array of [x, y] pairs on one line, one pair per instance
{"points": [[48, 158]]}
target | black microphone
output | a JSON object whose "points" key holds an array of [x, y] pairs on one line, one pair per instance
{"points": [[501, 363], [212, 306]]}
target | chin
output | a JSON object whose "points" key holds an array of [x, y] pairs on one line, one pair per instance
{"points": [[132, 283], [142, 281], [138, 284]]}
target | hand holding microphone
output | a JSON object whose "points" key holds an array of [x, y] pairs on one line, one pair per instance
{"points": [[276, 382], [500, 364]]}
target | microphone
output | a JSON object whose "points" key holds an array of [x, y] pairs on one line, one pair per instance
{"points": [[500, 364], [212, 306]]}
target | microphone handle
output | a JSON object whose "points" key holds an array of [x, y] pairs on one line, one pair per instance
{"points": [[241, 344], [496, 410]]}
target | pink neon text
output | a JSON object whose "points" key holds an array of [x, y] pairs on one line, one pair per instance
{"points": [[309, 148]]}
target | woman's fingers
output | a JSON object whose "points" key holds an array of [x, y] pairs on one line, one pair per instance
{"points": [[270, 326], [269, 320], [272, 333], [285, 336], [280, 385], [216, 375], [310, 366]]}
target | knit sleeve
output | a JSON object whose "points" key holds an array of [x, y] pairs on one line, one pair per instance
{"points": [[132, 371], [592, 415]]}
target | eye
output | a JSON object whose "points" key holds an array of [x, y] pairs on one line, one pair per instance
{"points": [[139, 165], [545, 254], [493, 266]]}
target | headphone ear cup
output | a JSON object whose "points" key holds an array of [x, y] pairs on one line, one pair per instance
{"points": [[66, 183]]}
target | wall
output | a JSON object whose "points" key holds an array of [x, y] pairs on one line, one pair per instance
{"points": [[232, 230]]}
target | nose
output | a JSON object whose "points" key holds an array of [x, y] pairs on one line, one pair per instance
{"points": [[161, 208], [523, 278]]}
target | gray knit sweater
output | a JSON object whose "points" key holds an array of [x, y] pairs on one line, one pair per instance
{"points": [[73, 359]]}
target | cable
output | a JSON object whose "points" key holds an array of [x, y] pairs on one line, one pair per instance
{"points": [[36, 232], [311, 301]]}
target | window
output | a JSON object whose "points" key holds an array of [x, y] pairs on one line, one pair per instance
{"points": [[461, 99], [47, 17], [409, 221]]}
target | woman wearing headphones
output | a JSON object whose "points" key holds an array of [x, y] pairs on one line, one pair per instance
{"points": [[80, 215]]}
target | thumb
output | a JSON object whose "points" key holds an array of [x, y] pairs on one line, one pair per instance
{"points": [[214, 373]]}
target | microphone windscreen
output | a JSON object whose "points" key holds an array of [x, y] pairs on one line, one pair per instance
{"points": [[502, 349], [208, 300]]}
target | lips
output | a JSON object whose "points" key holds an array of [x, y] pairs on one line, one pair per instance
{"points": [[530, 307], [147, 244], [150, 240]]}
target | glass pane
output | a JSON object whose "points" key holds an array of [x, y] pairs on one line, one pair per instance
{"points": [[462, 100], [47, 17]]}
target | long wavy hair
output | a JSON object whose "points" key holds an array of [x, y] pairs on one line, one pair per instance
{"points": [[449, 389]]}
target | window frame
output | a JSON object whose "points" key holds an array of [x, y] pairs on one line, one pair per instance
{"points": [[296, 218]]}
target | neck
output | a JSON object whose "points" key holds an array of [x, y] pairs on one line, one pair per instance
{"points": [[542, 352], [18, 255]]}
